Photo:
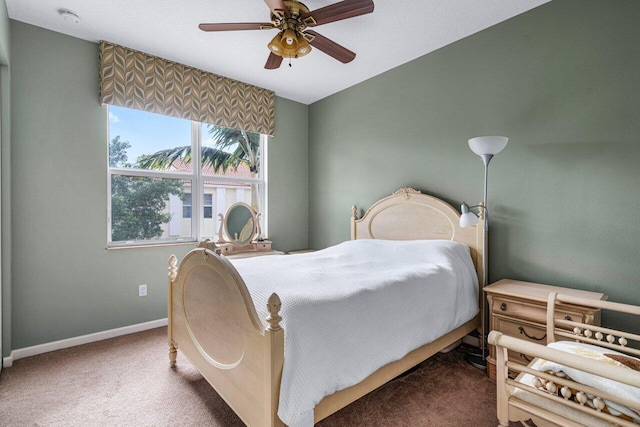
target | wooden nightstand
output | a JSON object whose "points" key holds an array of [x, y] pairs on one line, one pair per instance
{"points": [[519, 309]]}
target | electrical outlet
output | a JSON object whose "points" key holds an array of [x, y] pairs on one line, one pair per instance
{"points": [[142, 290]]}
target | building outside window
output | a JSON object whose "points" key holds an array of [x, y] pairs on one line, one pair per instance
{"points": [[208, 205], [186, 206], [163, 169]]}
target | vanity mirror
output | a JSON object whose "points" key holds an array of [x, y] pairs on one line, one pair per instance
{"points": [[240, 231], [240, 224]]}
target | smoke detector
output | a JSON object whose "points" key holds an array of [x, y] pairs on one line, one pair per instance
{"points": [[69, 16]]}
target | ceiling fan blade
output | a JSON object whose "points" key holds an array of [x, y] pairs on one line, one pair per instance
{"points": [[273, 61], [236, 27], [330, 47], [338, 11], [276, 4]]}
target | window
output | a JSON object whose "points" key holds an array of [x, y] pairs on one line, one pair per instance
{"points": [[163, 169], [186, 206], [208, 205]]}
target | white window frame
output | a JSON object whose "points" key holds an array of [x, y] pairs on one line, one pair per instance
{"points": [[197, 190]]}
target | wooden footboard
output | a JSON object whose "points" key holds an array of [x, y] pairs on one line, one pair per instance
{"points": [[550, 400], [209, 304]]}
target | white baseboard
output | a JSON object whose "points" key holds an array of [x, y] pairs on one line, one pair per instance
{"points": [[84, 339]]}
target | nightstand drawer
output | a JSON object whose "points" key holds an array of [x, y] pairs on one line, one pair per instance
{"points": [[532, 312], [522, 330], [519, 329]]}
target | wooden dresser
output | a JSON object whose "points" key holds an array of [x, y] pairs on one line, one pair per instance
{"points": [[250, 250], [519, 309]]}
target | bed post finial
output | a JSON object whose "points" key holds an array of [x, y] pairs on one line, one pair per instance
{"points": [[481, 210], [173, 269], [354, 212], [273, 305], [173, 273]]}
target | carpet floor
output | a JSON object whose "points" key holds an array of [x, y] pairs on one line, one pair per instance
{"points": [[126, 381]]}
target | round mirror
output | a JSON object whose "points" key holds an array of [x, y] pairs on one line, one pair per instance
{"points": [[240, 223]]}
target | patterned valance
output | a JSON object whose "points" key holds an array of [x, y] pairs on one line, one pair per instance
{"points": [[133, 79]]}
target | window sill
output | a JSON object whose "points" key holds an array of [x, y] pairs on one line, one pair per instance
{"points": [[151, 245]]}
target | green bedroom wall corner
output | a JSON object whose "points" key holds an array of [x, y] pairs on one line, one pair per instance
{"points": [[561, 82], [288, 177], [5, 170], [65, 283], [5, 209]]}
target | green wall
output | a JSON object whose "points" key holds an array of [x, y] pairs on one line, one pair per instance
{"points": [[562, 82], [288, 177], [5, 153], [64, 282]]}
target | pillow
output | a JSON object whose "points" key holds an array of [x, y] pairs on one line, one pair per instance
{"points": [[629, 362], [603, 355]]}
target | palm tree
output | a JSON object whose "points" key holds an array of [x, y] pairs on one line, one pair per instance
{"points": [[232, 147]]}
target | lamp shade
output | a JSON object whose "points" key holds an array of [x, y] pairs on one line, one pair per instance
{"points": [[467, 218], [303, 47], [275, 45], [488, 144], [289, 38]]}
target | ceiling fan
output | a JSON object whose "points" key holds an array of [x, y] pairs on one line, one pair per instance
{"points": [[293, 19]]}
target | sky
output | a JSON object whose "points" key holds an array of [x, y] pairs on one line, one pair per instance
{"points": [[148, 132]]}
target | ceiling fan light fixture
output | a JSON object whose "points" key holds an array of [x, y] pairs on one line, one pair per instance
{"points": [[303, 47], [292, 18], [275, 45], [289, 44], [289, 38]]}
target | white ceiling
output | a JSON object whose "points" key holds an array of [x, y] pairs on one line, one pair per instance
{"points": [[395, 33]]}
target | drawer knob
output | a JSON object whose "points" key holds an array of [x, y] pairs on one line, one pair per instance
{"points": [[531, 337], [567, 317], [503, 306]]}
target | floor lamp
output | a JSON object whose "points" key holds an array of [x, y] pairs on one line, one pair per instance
{"points": [[485, 147]]}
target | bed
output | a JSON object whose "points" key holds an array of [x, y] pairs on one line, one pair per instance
{"points": [[234, 334], [586, 375]]}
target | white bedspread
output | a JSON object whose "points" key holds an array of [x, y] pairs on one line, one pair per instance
{"points": [[352, 308]]}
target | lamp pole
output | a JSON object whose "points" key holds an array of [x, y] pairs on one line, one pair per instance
{"points": [[486, 147], [480, 360], [486, 158]]}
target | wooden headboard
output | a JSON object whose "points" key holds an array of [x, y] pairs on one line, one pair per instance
{"points": [[409, 214]]}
